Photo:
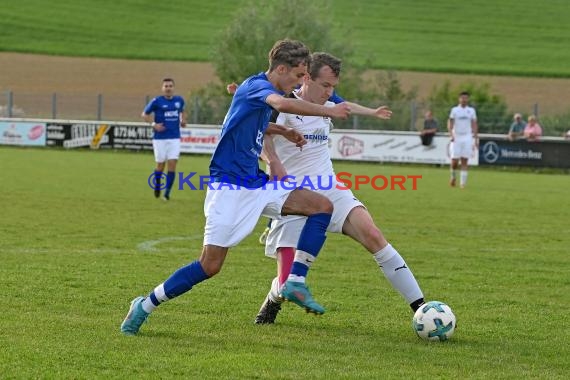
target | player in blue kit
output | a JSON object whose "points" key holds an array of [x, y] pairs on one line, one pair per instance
{"points": [[241, 192], [169, 116]]}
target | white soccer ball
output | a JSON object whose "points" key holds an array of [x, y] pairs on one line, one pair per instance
{"points": [[434, 320]]}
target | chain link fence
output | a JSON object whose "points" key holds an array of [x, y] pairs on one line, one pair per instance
{"points": [[407, 116]]}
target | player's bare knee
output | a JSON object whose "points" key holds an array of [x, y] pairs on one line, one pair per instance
{"points": [[211, 268], [325, 206], [374, 236]]}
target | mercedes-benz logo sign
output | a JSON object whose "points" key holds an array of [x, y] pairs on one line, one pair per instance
{"points": [[491, 152]]}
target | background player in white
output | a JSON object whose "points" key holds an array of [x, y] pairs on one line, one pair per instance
{"points": [[350, 217], [238, 197], [169, 116], [462, 126]]}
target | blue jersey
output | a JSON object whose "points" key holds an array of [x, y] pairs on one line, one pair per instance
{"points": [[167, 112], [336, 99], [235, 159]]}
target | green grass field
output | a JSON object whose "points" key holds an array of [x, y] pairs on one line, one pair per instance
{"points": [[510, 37], [81, 235]]}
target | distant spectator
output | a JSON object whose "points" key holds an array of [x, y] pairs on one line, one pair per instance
{"points": [[517, 128], [430, 129], [533, 130], [567, 135]]}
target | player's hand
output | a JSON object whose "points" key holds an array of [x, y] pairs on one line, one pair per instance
{"points": [[383, 113], [295, 137], [340, 111], [182, 124], [159, 127], [277, 170], [232, 88]]}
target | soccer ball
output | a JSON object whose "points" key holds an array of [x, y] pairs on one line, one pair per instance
{"points": [[434, 321]]}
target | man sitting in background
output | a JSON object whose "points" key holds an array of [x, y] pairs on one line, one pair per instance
{"points": [[430, 129], [517, 128]]}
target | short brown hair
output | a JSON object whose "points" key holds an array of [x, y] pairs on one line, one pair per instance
{"points": [[320, 60], [289, 52]]}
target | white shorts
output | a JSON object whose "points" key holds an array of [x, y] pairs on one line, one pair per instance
{"points": [[231, 214], [285, 232], [166, 149], [462, 148]]}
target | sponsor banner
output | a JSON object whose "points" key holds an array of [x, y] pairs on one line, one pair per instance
{"points": [[132, 137], [199, 140], [79, 135], [57, 133], [18, 133], [380, 147], [555, 154], [126, 136]]}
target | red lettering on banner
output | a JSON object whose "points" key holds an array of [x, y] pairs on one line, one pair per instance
{"points": [[398, 180], [346, 182], [414, 183], [383, 178]]}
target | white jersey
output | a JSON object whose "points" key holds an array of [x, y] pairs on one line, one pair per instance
{"points": [[314, 159], [462, 117]]}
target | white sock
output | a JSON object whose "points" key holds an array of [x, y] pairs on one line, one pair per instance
{"points": [[463, 180], [301, 265], [295, 278], [147, 305], [452, 174], [275, 291], [397, 272]]}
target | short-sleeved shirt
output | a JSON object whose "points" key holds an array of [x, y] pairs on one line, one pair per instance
{"points": [[430, 124], [462, 117], [336, 99], [235, 159], [536, 130], [517, 127], [314, 159], [167, 112]]}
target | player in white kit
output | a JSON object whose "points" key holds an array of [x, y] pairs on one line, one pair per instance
{"points": [[462, 126], [313, 164]]}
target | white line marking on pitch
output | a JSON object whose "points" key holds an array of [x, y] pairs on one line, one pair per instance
{"points": [[150, 245]]}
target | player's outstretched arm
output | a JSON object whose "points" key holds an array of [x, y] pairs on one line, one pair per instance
{"points": [[301, 107], [382, 112]]}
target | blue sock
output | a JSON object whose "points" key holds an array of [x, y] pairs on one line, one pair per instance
{"points": [[170, 176], [178, 283], [310, 243], [157, 178]]}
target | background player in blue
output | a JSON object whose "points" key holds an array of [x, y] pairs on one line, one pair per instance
{"points": [[169, 116], [232, 211]]}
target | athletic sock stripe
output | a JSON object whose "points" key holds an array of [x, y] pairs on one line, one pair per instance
{"points": [[153, 299], [160, 294], [304, 258]]}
